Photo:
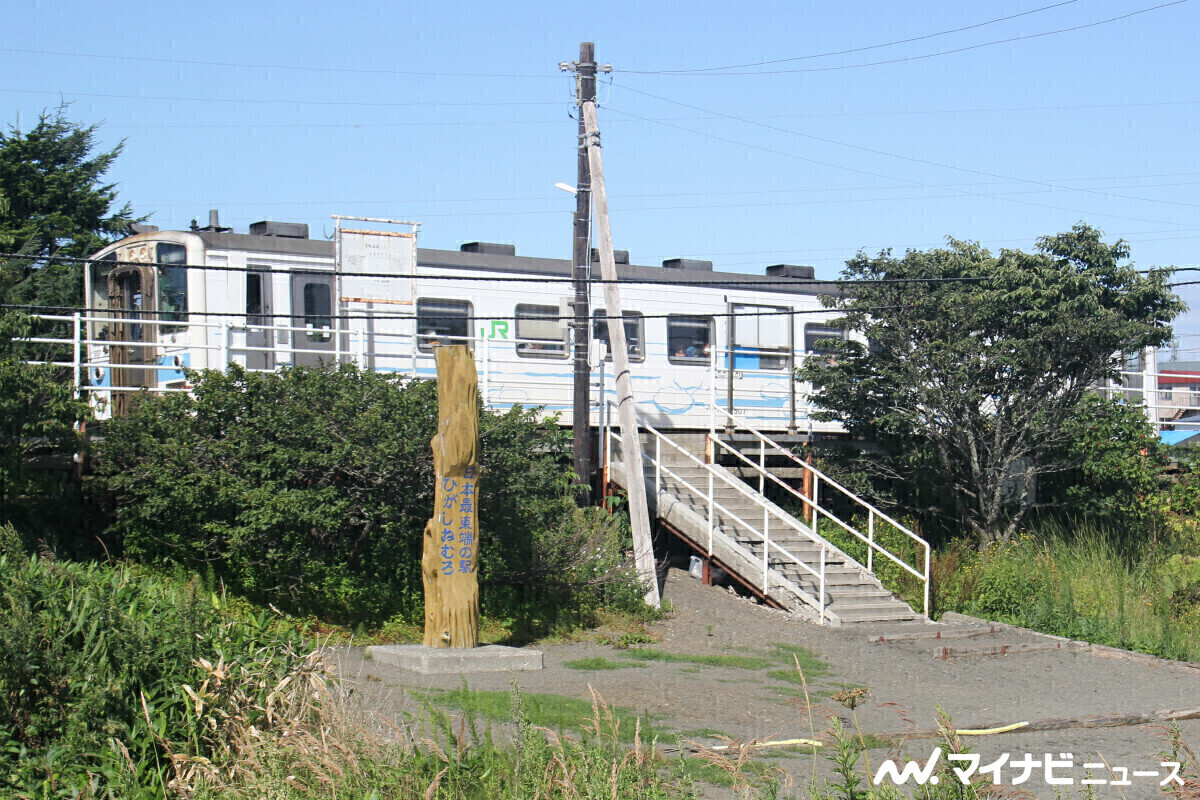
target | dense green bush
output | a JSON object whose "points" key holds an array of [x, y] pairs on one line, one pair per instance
{"points": [[1117, 466], [310, 489], [90, 654]]}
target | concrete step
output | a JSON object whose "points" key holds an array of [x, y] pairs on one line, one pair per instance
{"points": [[867, 594], [886, 603], [900, 613], [846, 579]]}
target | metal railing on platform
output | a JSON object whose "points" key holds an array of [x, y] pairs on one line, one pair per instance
{"points": [[220, 342]]}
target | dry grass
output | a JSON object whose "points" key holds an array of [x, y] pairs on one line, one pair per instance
{"points": [[306, 739]]}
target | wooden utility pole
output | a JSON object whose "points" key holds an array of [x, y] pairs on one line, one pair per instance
{"points": [[451, 545], [581, 251], [631, 442]]}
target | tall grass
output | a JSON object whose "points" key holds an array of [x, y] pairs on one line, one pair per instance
{"points": [[93, 661], [1084, 581]]}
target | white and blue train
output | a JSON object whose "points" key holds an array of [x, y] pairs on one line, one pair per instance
{"points": [[160, 301]]}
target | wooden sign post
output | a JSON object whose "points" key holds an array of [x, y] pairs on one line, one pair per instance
{"points": [[451, 545]]}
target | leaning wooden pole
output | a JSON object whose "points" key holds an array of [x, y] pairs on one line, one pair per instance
{"points": [[631, 445], [451, 543]]}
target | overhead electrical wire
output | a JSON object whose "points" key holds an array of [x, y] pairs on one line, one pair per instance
{"points": [[887, 154], [477, 123], [746, 280], [295, 67], [922, 184], [876, 248], [861, 49], [275, 101], [739, 193], [824, 201], [916, 57], [789, 312]]}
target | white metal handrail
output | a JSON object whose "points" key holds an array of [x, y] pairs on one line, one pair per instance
{"points": [[758, 500], [769, 511], [872, 511], [668, 472], [813, 506], [807, 501]]}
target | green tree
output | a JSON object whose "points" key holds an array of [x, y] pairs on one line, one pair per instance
{"points": [[55, 203], [977, 362]]}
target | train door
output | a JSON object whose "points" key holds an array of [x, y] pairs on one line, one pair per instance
{"points": [[312, 315], [132, 340], [258, 313], [761, 347]]}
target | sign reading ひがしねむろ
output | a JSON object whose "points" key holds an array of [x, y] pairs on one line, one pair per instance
{"points": [[451, 542]]}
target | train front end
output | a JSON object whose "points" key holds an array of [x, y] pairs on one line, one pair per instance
{"points": [[139, 335]]}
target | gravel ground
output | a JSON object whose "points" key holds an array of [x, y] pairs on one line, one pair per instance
{"points": [[904, 680]]}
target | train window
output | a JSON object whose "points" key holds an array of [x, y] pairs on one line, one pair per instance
{"points": [[318, 312], [539, 332], [634, 333], [442, 322], [689, 339], [816, 337], [99, 299], [254, 295], [172, 285], [760, 336]]}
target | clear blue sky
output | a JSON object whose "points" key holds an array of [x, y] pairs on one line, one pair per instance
{"points": [[456, 115]]}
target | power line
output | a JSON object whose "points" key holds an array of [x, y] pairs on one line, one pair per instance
{"points": [[858, 49], [897, 247], [743, 193], [912, 159], [747, 281], [274, 101], [908, 112], [916, 57], [692, 207], [789, 312], [796, 157], [342, 125], [293, 67]]}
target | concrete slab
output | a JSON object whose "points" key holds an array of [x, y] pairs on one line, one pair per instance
{"points": [[448, 661]]}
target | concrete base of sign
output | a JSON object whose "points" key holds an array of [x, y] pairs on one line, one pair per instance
{"points": [[450, 661]]}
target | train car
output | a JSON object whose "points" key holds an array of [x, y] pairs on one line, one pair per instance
{"points": [[161, 302]]}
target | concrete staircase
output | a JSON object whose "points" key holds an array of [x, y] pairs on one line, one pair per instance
{"points": [[740, 515]]}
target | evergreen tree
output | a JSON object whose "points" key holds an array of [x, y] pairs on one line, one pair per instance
{"points": [[54, 202]]}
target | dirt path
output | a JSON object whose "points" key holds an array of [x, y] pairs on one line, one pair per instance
{"points": [[905, 681]]}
